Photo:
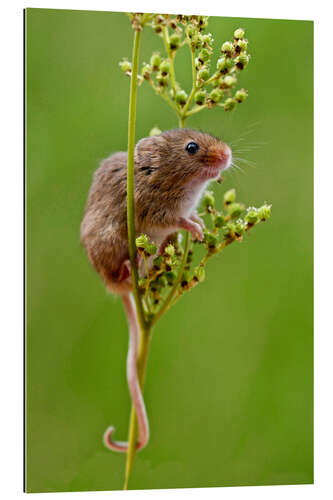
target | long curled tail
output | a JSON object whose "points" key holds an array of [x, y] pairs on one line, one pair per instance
{"points": [[133, 382]]}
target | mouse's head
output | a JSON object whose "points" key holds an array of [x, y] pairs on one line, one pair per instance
{"points": [[183, 155]]}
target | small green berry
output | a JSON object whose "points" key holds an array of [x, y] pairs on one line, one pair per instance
{"points": [[241, 45], [203, 74], [204, 55], [235, 209], [208, 199], [141, 241], [241, 95], [181, 97], [174, 41], [158, 261], [146, 70], [215, 95], [229, 81], [200, 97], [252, 215], [142, 283], [170, 250], [190, 31], [211, 240], [239, 34], [219, 220], [229, 230], [239, 228], [207, 40], [155, 61], [242, 61], [155, 131], [227, 48], [199, 273], [151, 249], [170, 277], [229, 196], [165, 67], [163, 80], [224, 64], [264, 212], [125, 66], [229, 104]]}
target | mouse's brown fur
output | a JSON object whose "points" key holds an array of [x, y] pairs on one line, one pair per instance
{"points": [[168, 185], [169, 181]]}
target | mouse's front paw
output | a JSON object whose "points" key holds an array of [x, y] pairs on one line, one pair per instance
{"points": [[193, 227], [195, 218]]}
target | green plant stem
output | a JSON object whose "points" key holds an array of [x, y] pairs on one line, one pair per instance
{"points": [[194, 85], [130, 180], [166, 41], [143, 324]]}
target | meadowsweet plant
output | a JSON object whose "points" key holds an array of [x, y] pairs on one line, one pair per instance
{"points": [[211, 86], [181, 265]]}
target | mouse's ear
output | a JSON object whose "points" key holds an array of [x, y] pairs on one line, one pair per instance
{"points": [[148, 150]]}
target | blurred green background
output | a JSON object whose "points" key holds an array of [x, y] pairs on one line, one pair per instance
{"points": [[229, 387]]}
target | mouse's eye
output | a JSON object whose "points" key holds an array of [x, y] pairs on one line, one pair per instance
{"points": [[192, 148]]}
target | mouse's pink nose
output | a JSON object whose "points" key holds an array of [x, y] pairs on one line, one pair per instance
{"points": [[219, 156]]}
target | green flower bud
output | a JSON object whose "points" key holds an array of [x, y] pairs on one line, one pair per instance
{"points": [[181, 97], [207, 40], [190, 31], [224, 64], [216, 95], [142, 283], [240, 228], [158, 261], [241, 46], [208, 199], [146, 70], [199, 273], [151, 249], [229, 81], [235, 209], [227, 48], [200, 97], [155, 131], [229, 104], [170, 277], [185, 279], [211, 240], [165, 67], [229, 230], [204, 55], [162, 281], [170, 250], [203, 22], [141, 241], [230, 196], [239, 34], [203, 74], [264, 212], [219, 220], [174, 41], [242, 61], [155, 61], [252, 215], [125, 66], [241, 95], [163, 80]]}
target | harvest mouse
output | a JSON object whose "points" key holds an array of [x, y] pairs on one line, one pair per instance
{"points": [[171, 171]]}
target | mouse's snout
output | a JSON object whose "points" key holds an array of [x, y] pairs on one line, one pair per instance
{"points": [[219, 156]]}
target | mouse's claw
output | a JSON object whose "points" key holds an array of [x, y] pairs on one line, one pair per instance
{"points": [[193, 227]]}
